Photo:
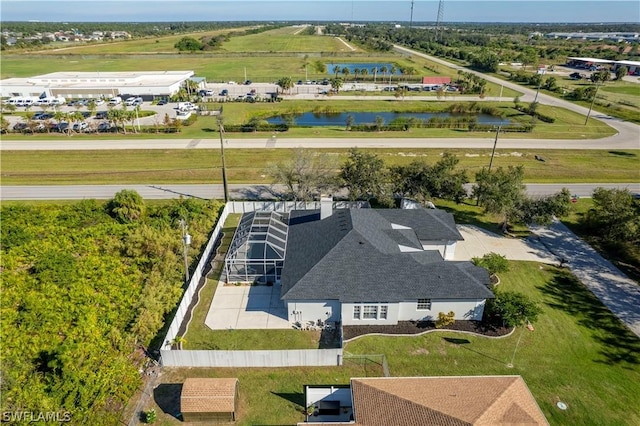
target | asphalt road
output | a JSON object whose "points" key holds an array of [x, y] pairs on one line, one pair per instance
{"points": [[215, 191]]}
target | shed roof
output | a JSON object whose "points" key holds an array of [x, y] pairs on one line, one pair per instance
{"points": [[208, 395], [451, 401]]}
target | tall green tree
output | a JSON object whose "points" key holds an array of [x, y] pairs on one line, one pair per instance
{"points": [[363, 175], [127, 206], [615, 215], [422, 181], [285, 83], [501, 192]]}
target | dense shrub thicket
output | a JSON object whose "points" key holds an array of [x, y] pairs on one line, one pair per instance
{"points": [[85, 289]]}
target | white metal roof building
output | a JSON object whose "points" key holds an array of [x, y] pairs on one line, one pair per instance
{"points": [[97, 84]]}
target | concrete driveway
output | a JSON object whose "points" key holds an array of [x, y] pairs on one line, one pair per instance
{"points": [[246, 307], [613, 288], [478, 242]]}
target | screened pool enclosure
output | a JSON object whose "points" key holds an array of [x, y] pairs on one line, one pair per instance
{"points": [[257, 250]]}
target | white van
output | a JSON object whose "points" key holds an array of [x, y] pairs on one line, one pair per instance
{"points": [[116, 100], [186, 106], [58, 101]]}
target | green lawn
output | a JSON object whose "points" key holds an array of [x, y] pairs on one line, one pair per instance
{"points": [[579, 353], [249, 166], [267, 396]]}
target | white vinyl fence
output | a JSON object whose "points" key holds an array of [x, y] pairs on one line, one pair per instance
{"points": [[186, 358], [285, 358]]}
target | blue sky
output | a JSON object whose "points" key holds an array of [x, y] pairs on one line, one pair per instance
{"points": [[328, 10]]}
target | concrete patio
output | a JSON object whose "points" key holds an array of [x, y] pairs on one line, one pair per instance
{"points": [[247, 307]]}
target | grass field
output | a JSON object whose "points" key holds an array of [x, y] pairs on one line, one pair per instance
{"points": [[249, 166], [148, 45], [285, 39]]}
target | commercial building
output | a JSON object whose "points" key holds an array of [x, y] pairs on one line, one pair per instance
{"points": [[71, 84]]}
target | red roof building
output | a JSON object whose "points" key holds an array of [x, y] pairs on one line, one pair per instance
{"points": [[436, 80]]}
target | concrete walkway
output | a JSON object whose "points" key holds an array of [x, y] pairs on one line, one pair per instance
{"points": [[615, 290], [246, 307]]}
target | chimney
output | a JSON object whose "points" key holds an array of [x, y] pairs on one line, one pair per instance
{"points": [[326, 206]]}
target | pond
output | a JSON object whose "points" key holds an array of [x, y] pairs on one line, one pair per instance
{"points": [[340, 119], [369, 66]]}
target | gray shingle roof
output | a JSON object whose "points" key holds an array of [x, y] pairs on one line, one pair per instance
{"points": [[353, 256]]}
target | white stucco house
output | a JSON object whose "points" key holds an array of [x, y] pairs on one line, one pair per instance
{"points": [[377, 266]]}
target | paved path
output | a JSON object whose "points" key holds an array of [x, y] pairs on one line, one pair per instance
{"points": [[615, 290]]}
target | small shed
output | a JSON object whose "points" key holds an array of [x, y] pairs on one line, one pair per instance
{"points": [[209, 400]]}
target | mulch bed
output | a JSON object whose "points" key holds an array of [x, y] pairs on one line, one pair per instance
{"points": [[484, 328]]}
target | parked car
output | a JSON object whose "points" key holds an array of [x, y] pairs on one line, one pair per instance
{"points": [[105, 126], [101, 115], [129, 101], [98, 102], [224, 92], [247, 82], [62, 126], [204, 92], [19, 127], [80, 127]]}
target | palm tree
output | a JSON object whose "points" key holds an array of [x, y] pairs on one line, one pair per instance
{"points": [[345, 72], [336, 70], [364, 72], [356, 71], [392, 71], [336, 84], [374, 70], [285, 83]]}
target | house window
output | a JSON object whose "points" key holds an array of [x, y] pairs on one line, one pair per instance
{"points": [[383, 311], [370, 312], [356, 312], [424, 304]]}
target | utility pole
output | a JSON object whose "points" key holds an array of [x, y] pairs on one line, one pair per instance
{"points": [[592, 102], [224, 169], [493, 151]]}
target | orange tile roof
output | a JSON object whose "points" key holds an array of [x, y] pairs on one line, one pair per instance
{"points": [[447, 401], [208, 395]]}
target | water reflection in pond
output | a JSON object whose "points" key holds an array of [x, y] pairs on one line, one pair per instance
{"points": [[340, 119]]}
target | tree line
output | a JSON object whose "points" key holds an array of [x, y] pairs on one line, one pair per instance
{"points": [[365, 176], [87, 288]]}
